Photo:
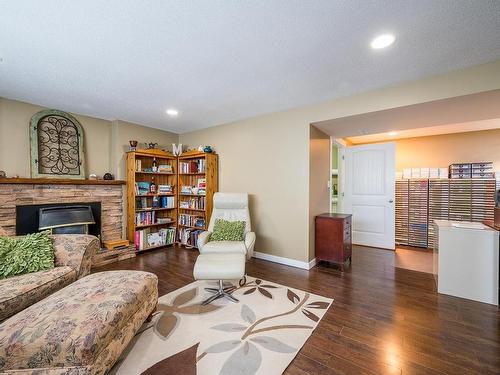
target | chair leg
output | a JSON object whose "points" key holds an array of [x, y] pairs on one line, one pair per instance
{"points": [[219, 293]]}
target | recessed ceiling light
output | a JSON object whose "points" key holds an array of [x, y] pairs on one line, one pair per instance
{"points": [[392, 134], [172, 112], [382, 41]]}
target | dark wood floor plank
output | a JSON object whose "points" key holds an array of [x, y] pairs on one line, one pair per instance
{"points": [[384, 320]]}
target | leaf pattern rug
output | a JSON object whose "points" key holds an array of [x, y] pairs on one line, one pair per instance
{"points": [[259, 335]]}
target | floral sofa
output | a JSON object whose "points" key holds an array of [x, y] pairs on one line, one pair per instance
{"points": [[73, 259], [81, 329]]}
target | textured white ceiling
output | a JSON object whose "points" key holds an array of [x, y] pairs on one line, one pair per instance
{"points": [[220, 61]]}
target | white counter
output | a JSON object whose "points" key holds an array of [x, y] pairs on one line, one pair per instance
{"points": [[466, 261]]}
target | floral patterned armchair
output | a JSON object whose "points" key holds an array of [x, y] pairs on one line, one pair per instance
{"points": [[73, 260]]}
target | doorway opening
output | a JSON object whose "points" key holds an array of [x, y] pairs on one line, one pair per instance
{"points": [[425, 152]]}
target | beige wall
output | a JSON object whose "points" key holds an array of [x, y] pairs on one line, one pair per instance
{"points": [[268, 156], [319, 176], [15, 139], [122, 132], [443, 150], [104, 146]]}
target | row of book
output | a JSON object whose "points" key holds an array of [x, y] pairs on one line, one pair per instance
{"points": [[144, 187], [145, 239], [191, 221], [162, 168], [197, 203], [189, 237], [165, 202], [165, 189], [157, 202], [193, 166], [145, 218]]}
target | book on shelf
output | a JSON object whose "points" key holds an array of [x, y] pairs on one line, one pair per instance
{"points": [[192, 220], [142, 188], [193, 166], [145, 239], [164, 220], [154, 239], [141, 203], [165, 189], [192, 190], [189, 237], [141, 238], [201, 184], [165, 168], [168, 202], [199, 222], [197, 203], [168, 235], [144, 218]]}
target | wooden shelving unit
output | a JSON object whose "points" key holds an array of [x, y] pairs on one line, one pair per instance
{"points": [[134, 176], [191, 170], [194, 167]]}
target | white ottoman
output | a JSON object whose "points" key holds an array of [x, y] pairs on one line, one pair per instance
{"points": [[219, 266]]}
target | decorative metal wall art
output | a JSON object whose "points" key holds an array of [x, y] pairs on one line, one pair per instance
{"points": [[56, 145]]}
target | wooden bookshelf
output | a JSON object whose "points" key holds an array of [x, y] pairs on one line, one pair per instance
{"points": [[204, 166], [197, 166], [143, 159]]}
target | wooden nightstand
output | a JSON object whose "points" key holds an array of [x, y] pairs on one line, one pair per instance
{"points": [[333, 238]]}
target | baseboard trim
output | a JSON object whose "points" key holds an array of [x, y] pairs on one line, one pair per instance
{"points": [[286, 261]]}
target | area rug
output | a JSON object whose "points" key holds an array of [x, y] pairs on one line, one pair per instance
{"points": [[259, 335]]}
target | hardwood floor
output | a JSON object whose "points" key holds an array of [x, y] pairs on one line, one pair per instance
{"points": [[384, 320]]}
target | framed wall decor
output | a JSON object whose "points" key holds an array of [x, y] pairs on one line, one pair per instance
{"points": [[56, 145]]}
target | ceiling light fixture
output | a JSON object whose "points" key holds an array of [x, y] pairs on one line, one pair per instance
{"points": [[382, 41], [393, 133], [172, 112]]}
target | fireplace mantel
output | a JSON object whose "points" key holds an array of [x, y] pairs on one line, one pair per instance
{"points": [[59, 181]]}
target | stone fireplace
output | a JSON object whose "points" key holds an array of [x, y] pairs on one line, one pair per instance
{"points": [[16, 195]]}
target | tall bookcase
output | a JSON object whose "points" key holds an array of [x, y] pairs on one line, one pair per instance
{"points": [[196, 170], [151, 212], [193, 178]]}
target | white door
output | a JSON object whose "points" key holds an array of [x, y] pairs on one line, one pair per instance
{"points": [[369, 193]]}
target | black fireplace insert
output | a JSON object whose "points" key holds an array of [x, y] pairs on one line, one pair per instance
{"points": [[63, 216]]}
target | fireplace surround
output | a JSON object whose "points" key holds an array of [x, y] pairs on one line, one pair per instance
{"points": [[25, 192]]}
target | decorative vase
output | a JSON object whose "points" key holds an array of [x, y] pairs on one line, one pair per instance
{"points": [[133, 145], [207, 149]]}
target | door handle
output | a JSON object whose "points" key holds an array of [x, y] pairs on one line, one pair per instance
{"points": [[391, 200]]}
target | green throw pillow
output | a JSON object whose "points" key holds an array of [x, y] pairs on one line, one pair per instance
{"points": [[228, 230], [30, 253]]}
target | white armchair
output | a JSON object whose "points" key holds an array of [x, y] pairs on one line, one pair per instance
{"points": [[231, 207]]}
